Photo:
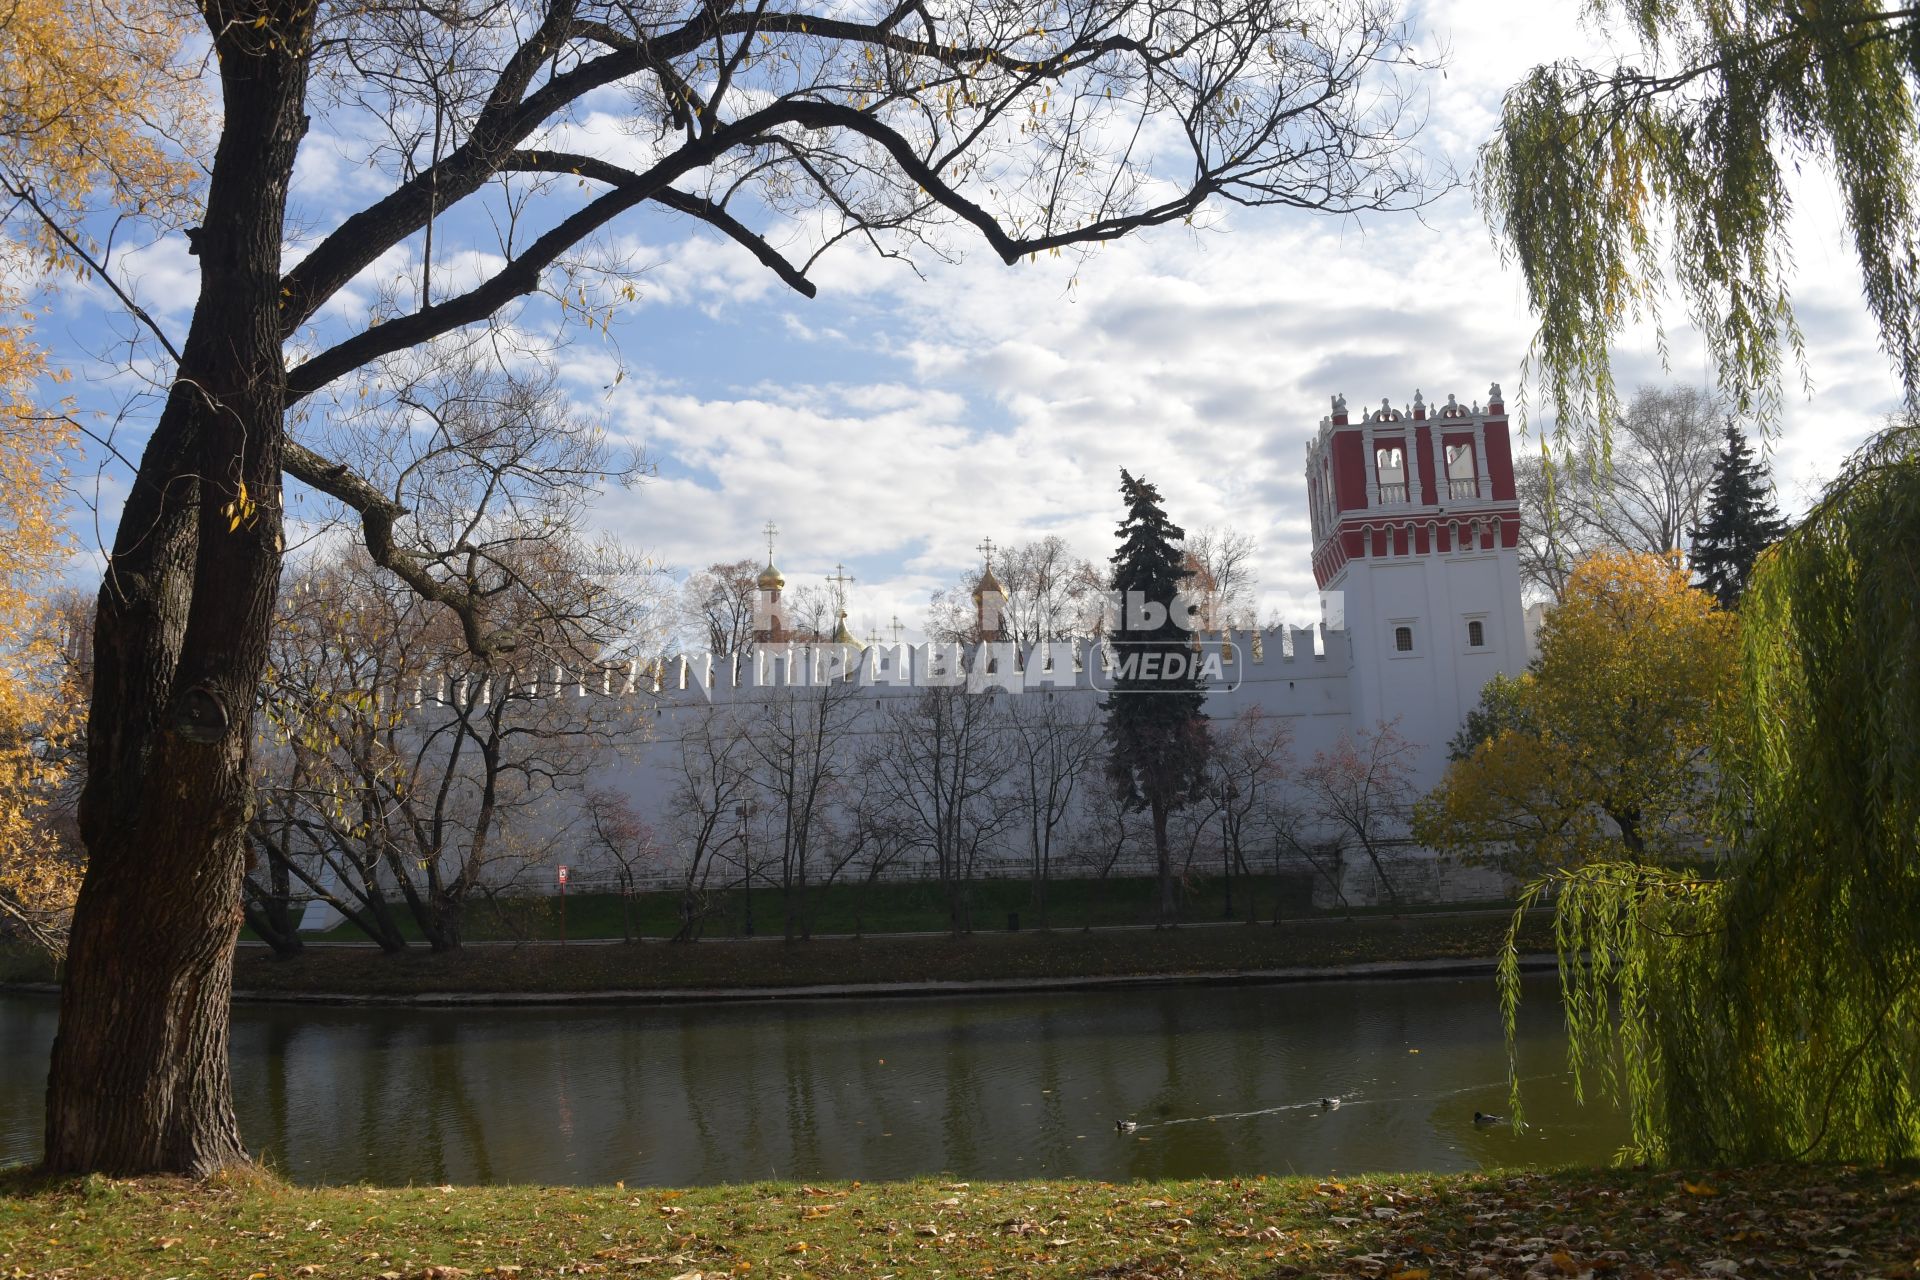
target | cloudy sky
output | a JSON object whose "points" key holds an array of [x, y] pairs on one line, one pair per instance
{"points": [[897, 419]]}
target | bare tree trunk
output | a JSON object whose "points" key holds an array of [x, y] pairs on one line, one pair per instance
{"points": [[1164, 856], [269, 911], [270, 916], [1041, 887], [1380, 869], [140, 1079]]}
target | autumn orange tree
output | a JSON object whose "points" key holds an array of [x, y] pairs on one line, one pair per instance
{"points": [[1599, 750]]}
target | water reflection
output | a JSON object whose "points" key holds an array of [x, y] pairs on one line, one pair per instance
{"points": [[1222, 1081]]}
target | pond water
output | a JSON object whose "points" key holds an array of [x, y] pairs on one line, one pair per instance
{"points": [[1222, 1081]]}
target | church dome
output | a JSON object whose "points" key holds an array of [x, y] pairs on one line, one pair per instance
{"points": [[841, 635], [771, 579], [989, 583]]}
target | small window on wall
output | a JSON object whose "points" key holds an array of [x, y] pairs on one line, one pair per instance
{"points": [[1476, 634], [1403, 639]]}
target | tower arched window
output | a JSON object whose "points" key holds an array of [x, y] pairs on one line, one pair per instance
{"points": [[1463, 476], [1476, 634], [1390, 468]]}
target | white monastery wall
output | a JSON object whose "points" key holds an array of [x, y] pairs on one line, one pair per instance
{"points": [[1416, 526]]}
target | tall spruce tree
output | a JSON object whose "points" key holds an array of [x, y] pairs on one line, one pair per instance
{"points": [[1156, 730], [1741, 520]]}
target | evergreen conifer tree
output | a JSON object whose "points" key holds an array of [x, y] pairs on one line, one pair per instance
{"points": [[1741, 521], [1156, 729]]}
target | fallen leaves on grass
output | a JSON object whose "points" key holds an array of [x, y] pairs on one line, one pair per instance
{"points": [[1830, 1223]]}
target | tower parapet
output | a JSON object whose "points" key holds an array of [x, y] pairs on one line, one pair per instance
{"points": [[1413, 481]]}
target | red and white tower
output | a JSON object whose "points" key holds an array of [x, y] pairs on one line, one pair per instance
{"points": [[1416, 525]]}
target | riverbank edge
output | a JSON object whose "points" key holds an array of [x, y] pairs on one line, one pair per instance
{"points": [[1367, 971], [1493, 1225]]}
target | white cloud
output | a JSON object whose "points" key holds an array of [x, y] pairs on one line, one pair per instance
{"points": [[1204, 359], [893, 421]]}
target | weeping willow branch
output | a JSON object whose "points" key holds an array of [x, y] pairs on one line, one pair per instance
{"points": [[1775, 1014]]}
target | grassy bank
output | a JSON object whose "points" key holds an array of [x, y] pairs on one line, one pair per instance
{"points": [[549, 968], [538, 968], [900, 906], [535, 968], [1824, 1221]]}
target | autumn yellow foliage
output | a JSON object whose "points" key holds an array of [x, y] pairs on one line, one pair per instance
{"points": [[39, 712], [100, 110], [1600, 750], [99, 107]]}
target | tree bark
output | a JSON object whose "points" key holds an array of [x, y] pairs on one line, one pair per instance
{"points": [[1164, 858], [140, 1078]]}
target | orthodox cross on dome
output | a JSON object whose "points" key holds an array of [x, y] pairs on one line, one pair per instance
{"points": [[840, 581], [986, 551], [771, 531], [896, 628]]}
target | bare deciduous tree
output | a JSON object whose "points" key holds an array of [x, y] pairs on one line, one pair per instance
{"points": [[1249, 776], [1361, 789], [1643, 493], [712, 779], [717, 605], [626, 841], [877, 838], [1057, 741], [319, 824], [1052, 594], [408, 768], [942, 757], [1221, 577], [1108, 832], [783, 128], [798, 739]]}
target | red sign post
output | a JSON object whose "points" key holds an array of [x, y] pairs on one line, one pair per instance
{"points": [[563, 905]]}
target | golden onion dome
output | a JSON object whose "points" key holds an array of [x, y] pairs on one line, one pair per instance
{"points": [[842, 635], [988, 583], [771, 579]]}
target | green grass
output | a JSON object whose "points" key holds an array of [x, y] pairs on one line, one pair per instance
{"points": [[1580, 1222], [885, 907], [549, 968]]}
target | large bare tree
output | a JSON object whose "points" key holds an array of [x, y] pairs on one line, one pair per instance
{"points": [[1642, 489], [783, 127], [1359, 791], [1056, 740], [712, 779], [717, 607], [942, 758], [1221, 576], [798, 741], [1052, 594], [403, 770], [1248, 775]]}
